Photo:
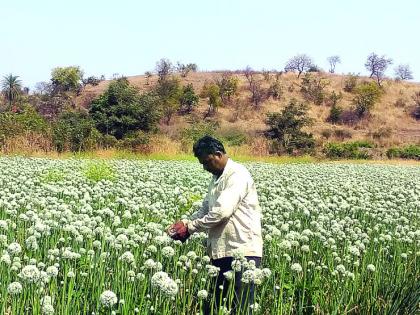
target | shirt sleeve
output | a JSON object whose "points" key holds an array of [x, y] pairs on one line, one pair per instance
{"points": [[204, 209], [235, 190]]}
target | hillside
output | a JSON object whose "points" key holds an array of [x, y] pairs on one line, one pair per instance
{"points": [[389, 124]]}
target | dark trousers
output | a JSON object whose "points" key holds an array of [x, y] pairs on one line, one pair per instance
{"points": [[244, 292]]}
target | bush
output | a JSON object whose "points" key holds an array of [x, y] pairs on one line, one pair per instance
{"points": [[407, 152], [348, 150], [313, 89], [137, 141], [366, 95], [195, 131], [72, 131], [233, 137], [335, 114], [350, 82], [285, 129], [400, 102], [342, 134], [275, 90], [121, 110]]}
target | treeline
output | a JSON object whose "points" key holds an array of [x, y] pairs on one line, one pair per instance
{"points": [[125, 117]]}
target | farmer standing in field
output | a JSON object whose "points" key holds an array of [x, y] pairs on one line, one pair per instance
{"points": [[231, 215]]}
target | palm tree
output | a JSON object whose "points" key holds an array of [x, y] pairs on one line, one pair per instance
{"points": [[11, 88]]}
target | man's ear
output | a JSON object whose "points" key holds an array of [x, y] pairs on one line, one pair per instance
{"points": [[218, 154]]}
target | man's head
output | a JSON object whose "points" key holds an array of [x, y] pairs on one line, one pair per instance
{"points": [[211, 154]]}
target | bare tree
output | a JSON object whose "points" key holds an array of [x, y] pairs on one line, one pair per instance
{"points": [[299, 63], [333, 61], [403, 72], [148, 75], [163, 68], [377, 66], [249, 75]]}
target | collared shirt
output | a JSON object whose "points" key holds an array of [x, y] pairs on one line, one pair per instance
{"points": [[231, 214]]}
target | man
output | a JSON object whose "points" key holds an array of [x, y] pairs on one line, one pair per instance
{"points": [[231, 215]]}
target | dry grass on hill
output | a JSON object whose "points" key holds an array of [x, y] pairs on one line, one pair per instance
{"points": [[389, 124]]}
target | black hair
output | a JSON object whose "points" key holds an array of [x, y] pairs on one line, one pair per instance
{"points": [[207, 145]]}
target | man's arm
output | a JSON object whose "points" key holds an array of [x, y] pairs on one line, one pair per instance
{"points": [[204, 209], [235, 190]]}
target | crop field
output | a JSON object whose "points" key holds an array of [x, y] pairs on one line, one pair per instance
{"points": [[88, 237]]}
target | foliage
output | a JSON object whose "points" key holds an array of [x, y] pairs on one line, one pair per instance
{"points": [[232, 137], [197, 129], [211, 91], [184, 69], [92, 80], [416, 110], [350, 82], [72, 131], [188, 98], [99, 170], [228, 86], [313, 89], [11, 88], [285, 128], [66, 79], [121, 109], [169, 96], [348, 150], [164, 68], [407, 152], [299, 63], [366, 95], [137, 141], [275, 90], [26, 120]]}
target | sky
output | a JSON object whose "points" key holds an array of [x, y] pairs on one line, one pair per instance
{"points": [[129, 37]]}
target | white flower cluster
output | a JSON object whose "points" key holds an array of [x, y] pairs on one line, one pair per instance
{"points": [[166, 285]]}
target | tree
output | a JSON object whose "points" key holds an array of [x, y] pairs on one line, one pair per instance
{"points": [[188, 99], [377, 66], [300, 63], [333, 61], [122, 109], [66, 79], [228, 86], [211, 91], [403, 72], [169, 93], [254, 86], [286, 128], [185, 69], [366, 95], [313, 89], [148, 75], [164, 68], [11, 88], [72, 130]]}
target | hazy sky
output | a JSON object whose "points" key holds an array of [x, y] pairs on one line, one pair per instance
{"points": [[128, 37]]}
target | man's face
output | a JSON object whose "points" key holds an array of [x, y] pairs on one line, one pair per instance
{"points": [[211, 163]]}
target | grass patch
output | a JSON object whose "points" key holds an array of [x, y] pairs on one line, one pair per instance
{"points": [[99, 170], [53, 176]]}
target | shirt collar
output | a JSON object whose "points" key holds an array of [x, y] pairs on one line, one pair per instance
{"points": [[228, 165]]}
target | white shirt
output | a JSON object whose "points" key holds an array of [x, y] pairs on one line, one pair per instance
{"points": [[231, 214]]}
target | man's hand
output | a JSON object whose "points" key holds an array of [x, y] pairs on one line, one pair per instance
{"points": [[178, 231]]}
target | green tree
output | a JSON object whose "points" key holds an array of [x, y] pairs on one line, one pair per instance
{"points": [[211, 91], [11, 88], [66, 79], [188, 99], [121, 109], [228, 86], [169, 93], [366, 95], [286, 128], [72, 131], [313, 89]]}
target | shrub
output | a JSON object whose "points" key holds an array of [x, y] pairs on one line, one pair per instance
{"points": [[233, 137], [195, 131], [136, 141], [72, 131], [350, 82], [285, 129], [348, 150], [275, 90], [342, 134], [313, 89], [326, 133], [400, 102], [407, 152], [366, 95], [335, 114]]}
